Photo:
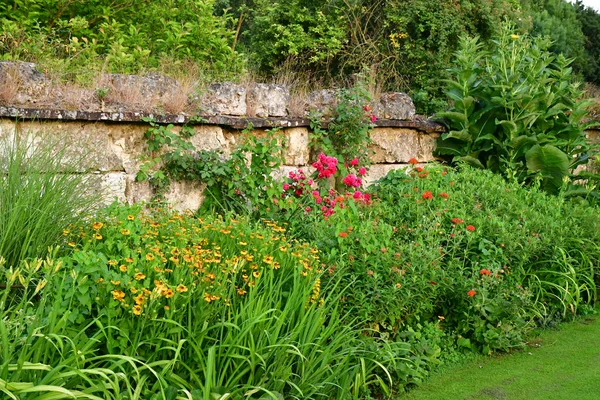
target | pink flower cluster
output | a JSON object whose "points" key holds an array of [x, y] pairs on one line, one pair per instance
{"points": [[326, 166], [298, 183], [368, 114]]}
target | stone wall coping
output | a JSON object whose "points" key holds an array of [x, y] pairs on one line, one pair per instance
{"points": [[419, 123]]}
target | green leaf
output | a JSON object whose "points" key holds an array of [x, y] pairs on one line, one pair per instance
{"points": [[551, 163], [471, 161]]}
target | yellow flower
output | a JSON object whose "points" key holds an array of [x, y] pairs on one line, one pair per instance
{"points": [[137, 310], [167, 308], [256, 274], [513, 36], [97, 226], [182, 288], [66, 232], [133, 290], [125, 232], [276, 265], [123, 268], [112, 263], [118, 295], [283, 248], [149, 256], [130, 217], [98, 236], [115, 282], [268, 259], [129, 259], [241, 292], [72, 244], [99, 280], [139, 276], [169, 293], [139, 299]]}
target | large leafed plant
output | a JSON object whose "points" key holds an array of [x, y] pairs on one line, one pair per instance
{"points": [[516, 110]]}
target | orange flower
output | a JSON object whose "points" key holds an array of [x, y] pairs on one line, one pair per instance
{"points": [[413, 161], [427, 195], [470, 228], [471, 293], [343, 234], [485, 272], [97, 226]]}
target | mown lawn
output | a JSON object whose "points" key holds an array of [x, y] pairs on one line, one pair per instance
{"points": [[559, 364]]}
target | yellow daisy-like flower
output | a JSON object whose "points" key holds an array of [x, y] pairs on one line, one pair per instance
{"points": [[112, 263], [133, 290], [125, 232], [115, 282], [98, 236], [268, 259], [97, 226], [149, 256], [130, 217], [71, 244], [118, 295], [256, 274], [139, 299], [276, 265], [123, 268], [99, 280], [137, 310], [182, 288], [129, 259], [241, 292], [66, 232], [283, 249], [139, 276], [169, 293], [514, 37]]}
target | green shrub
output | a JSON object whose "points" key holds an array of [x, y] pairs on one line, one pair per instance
{"points": [[515, 110]]}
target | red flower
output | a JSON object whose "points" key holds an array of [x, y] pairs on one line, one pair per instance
{"points": [[471, 293], [470, 228], [444, 195], [354, 162], [419, 169], [413, 161], [343, 234], [427, 195], [457, 221], [362, 171], [485, 272], [373, 118]]}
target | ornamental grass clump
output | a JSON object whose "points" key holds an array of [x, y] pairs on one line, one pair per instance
{"points": [[41, 193]]}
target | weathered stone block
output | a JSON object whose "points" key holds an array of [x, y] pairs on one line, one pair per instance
{"points": [[186, 195], [224, 99], [268, 100], [395, 105], [22, 83], [210, 138], [392, 145], [297, 151], [110, 187], [427, 144], [321, 102]]}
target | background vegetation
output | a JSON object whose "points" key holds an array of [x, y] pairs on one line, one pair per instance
{"points": [[407, 44]]}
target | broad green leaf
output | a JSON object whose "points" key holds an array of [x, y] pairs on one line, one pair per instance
{"points": [[551, 163], [471, 161]]}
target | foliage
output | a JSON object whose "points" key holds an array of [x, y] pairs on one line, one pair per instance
{"points": [[122, 38], [166, 305], [558, 21], [241, 182], [41, 192], [590, 26], [348, 129], [512, 116]]}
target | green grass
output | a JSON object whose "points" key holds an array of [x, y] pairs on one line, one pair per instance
{"points": [[559, 364]]}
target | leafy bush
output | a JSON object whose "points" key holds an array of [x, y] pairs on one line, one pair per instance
{"points": [[515, 110], [41, 193], [125, 38]]}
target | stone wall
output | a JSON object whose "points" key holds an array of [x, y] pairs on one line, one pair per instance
{"points": [[115, 144]]}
